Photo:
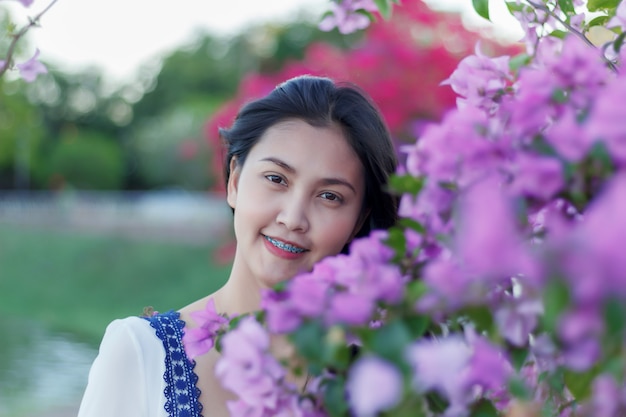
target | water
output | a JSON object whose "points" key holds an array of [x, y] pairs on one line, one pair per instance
{"points": [[40, 370]]}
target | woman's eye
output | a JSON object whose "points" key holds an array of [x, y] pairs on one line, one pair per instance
{"points": [[276, 179], [330, 196]]}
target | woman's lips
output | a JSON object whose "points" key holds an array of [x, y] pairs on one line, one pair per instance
{"points": [[283, 249]]}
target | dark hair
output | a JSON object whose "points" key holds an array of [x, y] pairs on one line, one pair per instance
{"points": [[321, 102]]}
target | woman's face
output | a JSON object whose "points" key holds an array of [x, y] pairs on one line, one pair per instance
{"points": [[297, 199]]}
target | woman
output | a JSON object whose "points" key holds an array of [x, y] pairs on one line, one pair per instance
{"points": [[306, 172]]}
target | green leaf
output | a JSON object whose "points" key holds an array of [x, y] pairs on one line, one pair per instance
{"points": [[561, 34], [416, 289], [518, 61], [579, 383], [413, 225], [334, 397], [614, 318], [514, 6], [402, 184], [599, 152], [384, 7], [436, 402], [598, 21], [567, 6], [390, 340], [417, 325], [309, 339], [556, 298], [481, 317], [595, 5], [619, 41], [559, 96], [518, 356], [396, 241], [518, 389], [483, 408], [482, 8]]}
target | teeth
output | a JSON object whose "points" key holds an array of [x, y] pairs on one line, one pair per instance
{"points": [[284, 246]]}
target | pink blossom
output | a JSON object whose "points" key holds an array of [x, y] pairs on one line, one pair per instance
{"points": [[200, 339], [439, 365], [608, 398], [374, 385], [345, 16], [537, 176], [488, 367], [568, 137], [458, 150], [354, 309], [488, 242], [481, 80], [281, 315], [248, 369], [606, 120], [31, 68], [619, 20], [517, 318]]}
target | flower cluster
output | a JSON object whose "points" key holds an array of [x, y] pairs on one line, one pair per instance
{"points": [[259, 380], [501, 291], [344, 289]]}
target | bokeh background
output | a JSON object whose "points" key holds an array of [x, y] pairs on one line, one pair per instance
{"points": [[111, 197]]}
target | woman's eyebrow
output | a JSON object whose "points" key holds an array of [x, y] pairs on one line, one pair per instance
{"points": [[324, 181], [280, 163]]}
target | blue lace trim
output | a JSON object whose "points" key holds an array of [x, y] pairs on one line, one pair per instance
{"points": [[181, 393]]}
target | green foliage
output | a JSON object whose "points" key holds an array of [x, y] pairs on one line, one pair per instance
{"points": [[482, 8], [596, 5], [87, 160], [21, 135]]}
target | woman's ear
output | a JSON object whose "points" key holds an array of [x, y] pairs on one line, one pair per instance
{"points": [[233, 183]]}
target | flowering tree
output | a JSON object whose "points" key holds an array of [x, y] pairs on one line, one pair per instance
{"points": [[502, 289], [31, 68]]}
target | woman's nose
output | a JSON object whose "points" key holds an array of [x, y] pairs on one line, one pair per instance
{"points": [[293, 214]]}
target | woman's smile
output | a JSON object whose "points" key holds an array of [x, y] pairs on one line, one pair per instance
{"points": [[283, 249]]}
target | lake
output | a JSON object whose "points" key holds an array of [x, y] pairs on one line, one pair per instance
{"points": [[41, 371]]}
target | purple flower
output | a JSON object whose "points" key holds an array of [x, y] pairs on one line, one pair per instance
{"points": [[439, 365], [619, 20], [31, 68], [517, 319], [536, 176], [281, 314], [488, 367], [374, 385], [26, 3], [201, 339], [608, 399], [481, 80], [488, 242], [570, 139], [350, 308], [606, 120], [345, 16], [248, 369]]}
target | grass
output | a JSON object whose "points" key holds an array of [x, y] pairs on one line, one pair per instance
{"points": [[79, 283]]}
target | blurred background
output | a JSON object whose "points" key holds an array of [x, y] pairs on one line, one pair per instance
{"points": [[111, 195]]}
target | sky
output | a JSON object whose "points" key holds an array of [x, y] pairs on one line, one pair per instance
{"points": [[119, 36]]}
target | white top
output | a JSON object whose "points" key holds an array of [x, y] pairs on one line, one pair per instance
{"points": [[127, 377]]}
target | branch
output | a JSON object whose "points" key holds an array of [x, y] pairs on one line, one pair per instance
{"points": [[571, 29], [16, 37]]}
